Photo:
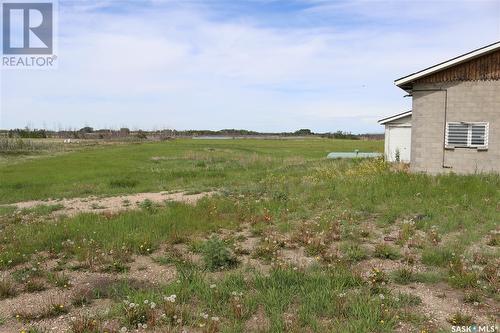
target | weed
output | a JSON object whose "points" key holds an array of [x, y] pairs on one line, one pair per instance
{"points": [[24, 274], [472, 297], [34, 285], [216, 255], [84, 324], [377, 280], [315, 247], [115, 267], [460, 275], [460, 319], [403, 275], [52, 309], [42, 210], [139, 314], [148, 205], [385, 251], [433, 235], [494, 238], [405, 299], [123, 183], [35, 329], [437, 256], [353, 252], [406, 232], [265, 253], [7, 289], [60, 280]]}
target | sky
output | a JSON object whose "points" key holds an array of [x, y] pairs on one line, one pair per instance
{"points": [[259, 65]]}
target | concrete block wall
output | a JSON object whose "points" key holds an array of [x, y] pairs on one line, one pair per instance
{"points": [[473, 101]]}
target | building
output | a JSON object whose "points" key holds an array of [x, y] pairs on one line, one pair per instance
{"points": [[455, 119], [397, 137]]}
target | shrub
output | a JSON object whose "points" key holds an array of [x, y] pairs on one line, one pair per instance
{"points": [[148, 205], [216, 255]]}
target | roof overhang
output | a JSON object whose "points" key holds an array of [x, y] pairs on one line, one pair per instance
{"points": [[406, 81], [394, 117]]}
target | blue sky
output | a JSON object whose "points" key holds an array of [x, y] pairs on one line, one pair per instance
{"points": [[259, 65]]}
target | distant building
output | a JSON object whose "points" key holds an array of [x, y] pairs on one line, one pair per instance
{"points": [[397, 137], [455, 118]]}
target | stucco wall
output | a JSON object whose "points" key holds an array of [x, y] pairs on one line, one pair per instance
{"points": [[477, 101]]}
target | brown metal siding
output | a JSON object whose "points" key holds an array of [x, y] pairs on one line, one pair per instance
{"points": [[483, 68]]}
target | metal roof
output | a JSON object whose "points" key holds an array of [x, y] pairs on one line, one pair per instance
{"points": [[394, 117]]}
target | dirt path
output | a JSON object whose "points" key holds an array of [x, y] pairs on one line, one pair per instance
{"points": [[110, 204]]}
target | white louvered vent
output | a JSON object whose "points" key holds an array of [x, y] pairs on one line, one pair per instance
{"points": [[466, 135]]}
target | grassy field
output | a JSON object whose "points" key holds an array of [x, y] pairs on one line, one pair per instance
{"points": [[288, 241]]}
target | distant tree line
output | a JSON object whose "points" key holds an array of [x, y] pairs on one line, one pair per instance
{"points": [[88, 132], [26, 133]]}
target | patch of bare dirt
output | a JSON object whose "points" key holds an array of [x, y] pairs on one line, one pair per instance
{"points": [[34, 302], [248, 244], [145, 269], [258, 322], [365, 267], [38, 302], [82, 285], [111, 204], [296, 257], [440, 302]]}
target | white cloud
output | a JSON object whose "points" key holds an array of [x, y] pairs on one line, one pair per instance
{"points": [[176, 65]]}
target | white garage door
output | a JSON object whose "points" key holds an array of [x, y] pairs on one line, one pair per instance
{"points": [[399, 140]]}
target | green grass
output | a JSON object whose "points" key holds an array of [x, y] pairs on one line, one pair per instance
{"points": [[136, 231], [42, 209], [180, 164], [272, 187], [305, 297], [385, 251]]}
